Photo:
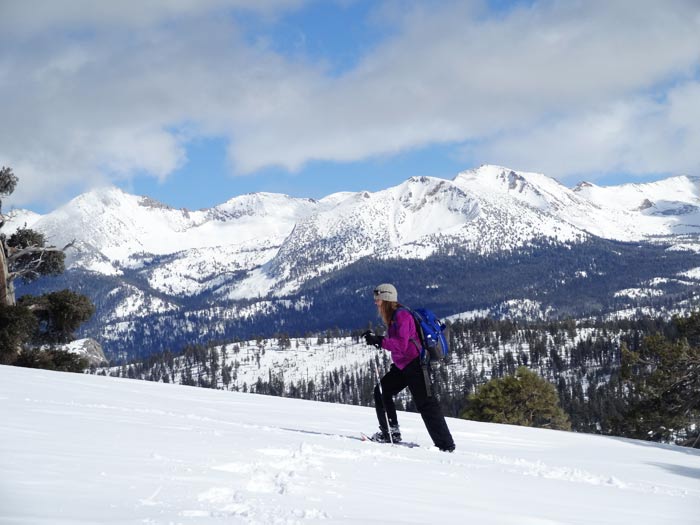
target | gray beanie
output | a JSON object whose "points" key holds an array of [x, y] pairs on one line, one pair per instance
{"points": [[386, 292]]}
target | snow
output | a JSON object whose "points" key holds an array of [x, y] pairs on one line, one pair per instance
{"points": [[136, 302], [302, 360], [191, 272], [627, 212], [90, 449], [19, 219], [634, 197], [509, 309], [693, 273], [683, 247], [120, 226], [637, 293]]}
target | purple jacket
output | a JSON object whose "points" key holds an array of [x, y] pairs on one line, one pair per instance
{"points": [[398, 339]]}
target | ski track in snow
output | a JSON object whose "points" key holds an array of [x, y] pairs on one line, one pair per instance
{"points": [[282, 470], [299, 471]]}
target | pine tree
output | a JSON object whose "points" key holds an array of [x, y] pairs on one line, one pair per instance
{"points": [[51, 359], [60, 314], [24, 254], [17, 323], [663, 385], [51, 318], [521, 399]]}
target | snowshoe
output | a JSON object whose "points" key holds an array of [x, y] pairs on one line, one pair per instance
{"points": [[383, 436]]}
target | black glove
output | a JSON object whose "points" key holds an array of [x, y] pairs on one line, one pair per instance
{"points": [[373, 339]]}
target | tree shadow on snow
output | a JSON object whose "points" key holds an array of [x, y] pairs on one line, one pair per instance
{"points": [[681, 470], [653, 444]]}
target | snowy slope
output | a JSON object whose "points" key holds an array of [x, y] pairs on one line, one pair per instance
{"points": [[667, 207], [629, 212], [635, 197], [19, 219], [88, 449]]}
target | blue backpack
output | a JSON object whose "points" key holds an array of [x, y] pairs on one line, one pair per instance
{"points": [[431, 332]]}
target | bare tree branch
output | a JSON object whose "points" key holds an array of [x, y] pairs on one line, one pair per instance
{"points": [[15, 254]]}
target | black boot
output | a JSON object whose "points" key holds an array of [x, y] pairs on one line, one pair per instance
{"points": [[380, 437], [383, 436], [395, 433]]}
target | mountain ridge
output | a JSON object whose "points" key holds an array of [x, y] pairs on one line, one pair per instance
{"points": [[266, 261], [487, 185]]}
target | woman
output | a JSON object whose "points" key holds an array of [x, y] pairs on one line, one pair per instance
{"points": [[403, 343]]}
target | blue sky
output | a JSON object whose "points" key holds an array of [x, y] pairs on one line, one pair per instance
{"points": [[192, 103], [184, 188]]}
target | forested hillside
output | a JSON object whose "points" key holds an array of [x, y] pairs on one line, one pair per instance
{"points": [[597, 278], [582, 359]]}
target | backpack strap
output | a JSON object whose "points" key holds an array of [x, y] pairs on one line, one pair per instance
{"points": [[422, 354], [426, 377], [413, 340]]}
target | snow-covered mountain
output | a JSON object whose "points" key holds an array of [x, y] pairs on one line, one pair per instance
{"points": [[681, 194], [15, 219], [86, 449], [280, 241], [629, 212], [263, 253], [115, 230], [411, 220]]}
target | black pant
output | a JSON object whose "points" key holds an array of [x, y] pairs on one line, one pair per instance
{"points": [[412, 377]]}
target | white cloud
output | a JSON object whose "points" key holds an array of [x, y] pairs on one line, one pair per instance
{"points": [[81, 108], [640, 135], [105, 90], [454, 74], [27, 17]]}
